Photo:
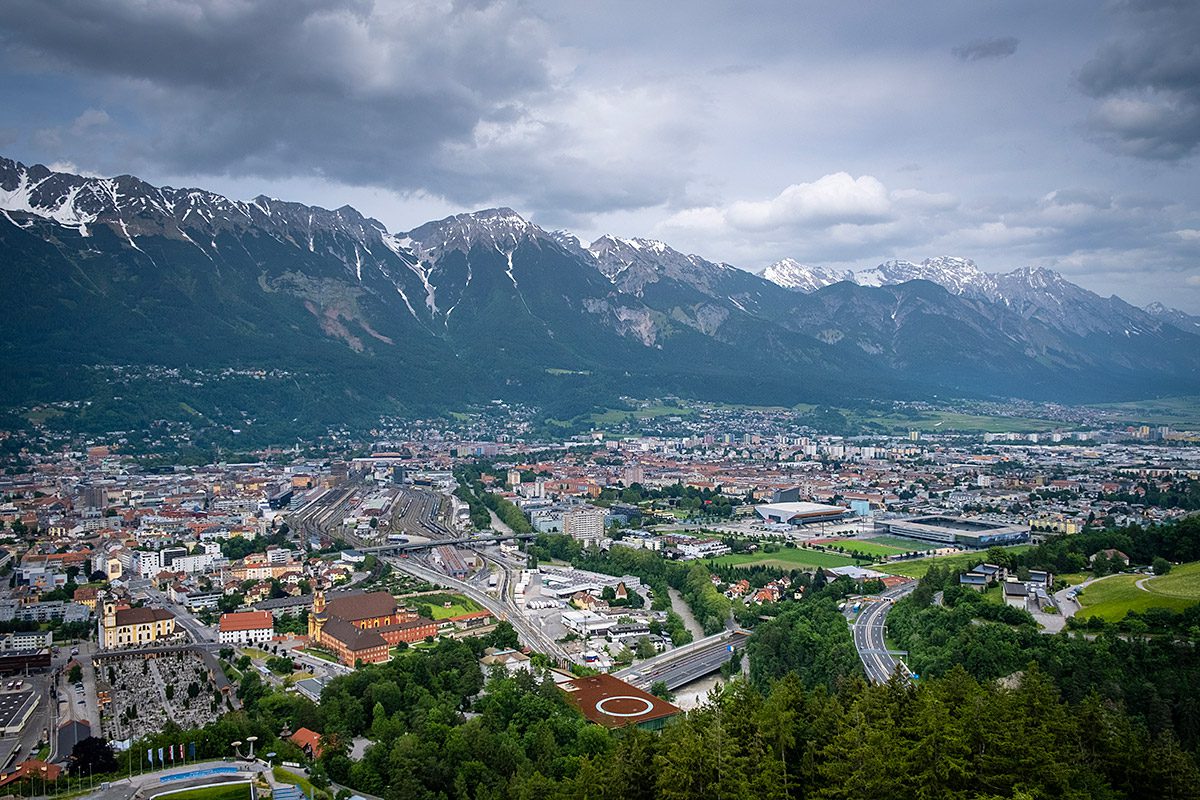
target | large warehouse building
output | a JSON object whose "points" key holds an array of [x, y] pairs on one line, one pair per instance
{"points": [[800, 513], [955, 530]]}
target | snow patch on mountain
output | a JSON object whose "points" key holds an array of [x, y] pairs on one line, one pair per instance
{"points": [[633, 264], [957, 275], [791, 274], [495, 228]]}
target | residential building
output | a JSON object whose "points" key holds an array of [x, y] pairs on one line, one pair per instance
{"points": [[585, 524], [246, 627], [1015, 594]]}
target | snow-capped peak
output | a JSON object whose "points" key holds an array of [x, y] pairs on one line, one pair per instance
{"points": [[956, 275], [791, 274], [1035, 277], [493, 228], [1173, 316], [631, 264]]}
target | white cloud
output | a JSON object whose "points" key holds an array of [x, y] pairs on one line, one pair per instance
{"points": [[832, 199], [915, 199], [835, 218], [996, 234]]}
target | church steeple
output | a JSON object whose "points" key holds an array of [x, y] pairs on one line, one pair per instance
{"points": [[316, 618]]}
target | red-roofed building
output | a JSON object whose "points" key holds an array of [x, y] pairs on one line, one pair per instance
{"points": [[613, 703], [308, 741], [31, 769], [245, 627]]}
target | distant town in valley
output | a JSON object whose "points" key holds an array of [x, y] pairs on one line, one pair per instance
{"points": [[529, 400], [632, 571]]}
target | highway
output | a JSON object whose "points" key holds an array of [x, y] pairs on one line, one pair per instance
{"points": [[424, 514], [869, 636], [529, 633], [685, 664]]}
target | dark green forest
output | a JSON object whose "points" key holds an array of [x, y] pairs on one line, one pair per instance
{"points": [[804, 725]]}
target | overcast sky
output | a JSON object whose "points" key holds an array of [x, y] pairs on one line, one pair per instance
{"points": [[1061, 134]]}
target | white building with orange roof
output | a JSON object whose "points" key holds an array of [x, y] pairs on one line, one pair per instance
{"points": [[246, 627]]}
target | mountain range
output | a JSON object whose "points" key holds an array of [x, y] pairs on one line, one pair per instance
{"points": [[107, 273]]}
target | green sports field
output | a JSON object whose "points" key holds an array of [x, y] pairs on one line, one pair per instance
{"points": [[787, 558], [867, 548], [229, 791], [902, 544]]}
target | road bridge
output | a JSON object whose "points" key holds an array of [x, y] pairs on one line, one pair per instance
{"points": [[405, 547], [527, 631], [685, 664]]}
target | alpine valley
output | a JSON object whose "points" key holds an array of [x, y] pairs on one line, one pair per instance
{"points": [[136, 303]]}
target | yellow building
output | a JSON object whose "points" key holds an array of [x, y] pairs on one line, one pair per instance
{"points": [[1056, 524], [123, 627]]}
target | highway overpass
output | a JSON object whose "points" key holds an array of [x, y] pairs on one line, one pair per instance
{"points": [[480, 539], [685, 664]]}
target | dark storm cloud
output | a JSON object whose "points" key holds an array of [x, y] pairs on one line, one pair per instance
{"points": [[826, 132], [1148, 82], [986, 48], [350, 90]]}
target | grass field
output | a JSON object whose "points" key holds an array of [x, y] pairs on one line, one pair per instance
{"points": [[230, 791], [786, 558], [321, 654], [454, 610], [436, 602], [867, 548], [902, 544], [917, 567], [1181, 582], [1183, 412], [285, 776], [614, 415], [941, 421], [1112, 598]]}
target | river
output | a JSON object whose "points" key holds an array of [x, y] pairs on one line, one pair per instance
{"points": [[689, 620]]}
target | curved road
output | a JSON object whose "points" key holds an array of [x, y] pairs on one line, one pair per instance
{"points": [[504, 609], [869, 636]]}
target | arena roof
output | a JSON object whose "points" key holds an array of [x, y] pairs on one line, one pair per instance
{"points": [[799, 512]]}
